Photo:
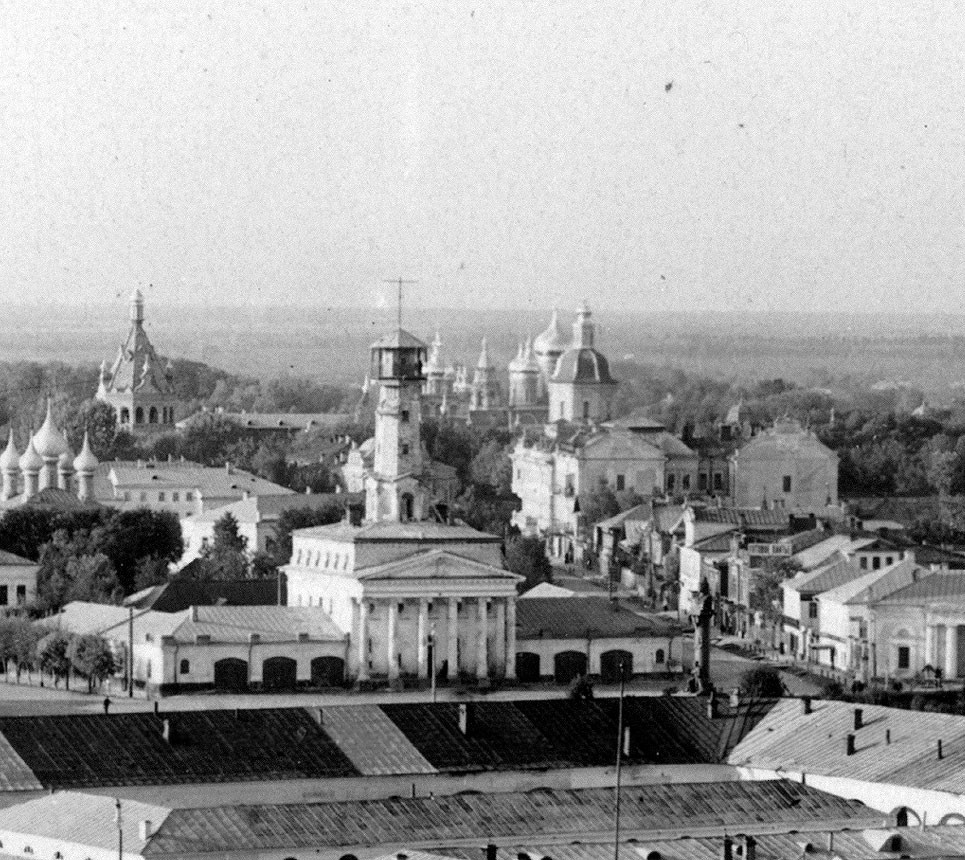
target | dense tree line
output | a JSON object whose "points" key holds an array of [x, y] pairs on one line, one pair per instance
{"points": [[100, 554], [29, 647]]}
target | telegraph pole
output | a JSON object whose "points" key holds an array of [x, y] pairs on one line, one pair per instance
{"points": [[616, 828]]}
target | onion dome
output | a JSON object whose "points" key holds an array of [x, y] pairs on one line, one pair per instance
{"points": [[31, 461], [49, 442], [85, 461], [518, 364], [10, 458], [66, 460], [551, 341]]}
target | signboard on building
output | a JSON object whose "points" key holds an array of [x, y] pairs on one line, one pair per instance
{"points": [[769, 550]]}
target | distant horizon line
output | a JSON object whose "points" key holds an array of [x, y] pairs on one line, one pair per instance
{"points": [[599, 309]]}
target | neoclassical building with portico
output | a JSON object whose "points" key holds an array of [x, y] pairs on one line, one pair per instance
{"points": [[416, 595]]}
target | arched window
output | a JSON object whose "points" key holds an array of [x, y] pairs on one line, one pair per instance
{"points": [[185, 668], [407, 505], [125, 416], [152, 415], [659, 657], [586, 410], [139, 415]]}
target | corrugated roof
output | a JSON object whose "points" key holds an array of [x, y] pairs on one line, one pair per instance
{"points": [[208, 480], [815, 743], [15, 774], [818, 553], [752, 517], [875, 584], [428, 821], [550, 618], [836, 571], [205, 747], [372, 742]]}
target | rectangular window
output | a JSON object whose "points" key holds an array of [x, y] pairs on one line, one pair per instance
{"points": [[812, 609], [189, 496], [3, 595], [175, 497], [21, 595], [787, 483], [671, 482], [701, 481], [621, 483], [685, 482], [161, 497], [863, 562], [904, 657], [718, 481], [876, 563], [127, 495], [889, 561], [143, 497], [405, 450], [404, 416]]}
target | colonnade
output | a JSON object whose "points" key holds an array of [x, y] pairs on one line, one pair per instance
{"points": [[437, 627], [941, 648]]}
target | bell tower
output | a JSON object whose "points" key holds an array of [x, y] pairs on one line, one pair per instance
{"points": [[394, 490]]}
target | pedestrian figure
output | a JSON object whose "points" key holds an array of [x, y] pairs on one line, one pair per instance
{"points": [[107, 704]]}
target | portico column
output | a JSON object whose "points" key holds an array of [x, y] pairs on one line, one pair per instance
{"points": [[930, 643], [482, 655], [500, 639], [452, 638], [392, 650], [363, 643], [511, 638], [423, 632], [951, 651]]}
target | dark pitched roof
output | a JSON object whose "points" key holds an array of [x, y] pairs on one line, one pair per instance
{"points": [[179, 594], [670, 808], [751, 517], [348, 740], [555, 618], [206, 746]]}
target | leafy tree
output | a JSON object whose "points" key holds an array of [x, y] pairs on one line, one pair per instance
{"points": [[599, 505], [53, 656], [581, 689], [492, 466], [24, 641], [526, 556], [763, 682], [91, 657], [54, 577], [99, 421], [226, 556], [150, 572], [128, 537], [93, 579]]}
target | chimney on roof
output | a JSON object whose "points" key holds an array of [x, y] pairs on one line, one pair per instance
{"points": [[712, 709], [909, 555], [727, 849], [849, 744], [805, 704], [626, 740], [735, 698], [858, 718], [166, 730], [319, 716], [145, 830], [254, 638], [228, 469], [245, 495], [940, 755], [465, 718], [887, 737], [194, 613]]}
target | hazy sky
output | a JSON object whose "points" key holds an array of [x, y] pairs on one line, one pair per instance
{"points": [[731, 154]]}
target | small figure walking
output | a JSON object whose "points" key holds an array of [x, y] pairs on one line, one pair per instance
{"points": [[107, 704]]}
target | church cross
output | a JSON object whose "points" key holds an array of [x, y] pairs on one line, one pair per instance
{"points": [[399, 282]]}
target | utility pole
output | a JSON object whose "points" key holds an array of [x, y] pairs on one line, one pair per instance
{"points": [[432, 660], [616, 828], [120, 831], [130, 658], [399, 282]]}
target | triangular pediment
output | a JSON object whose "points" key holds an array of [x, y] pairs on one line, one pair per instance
{"points": [[436, 565], [621, 446]]}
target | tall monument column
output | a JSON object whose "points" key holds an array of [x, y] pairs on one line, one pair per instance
{"points": [[452, 638], [701, 620]]}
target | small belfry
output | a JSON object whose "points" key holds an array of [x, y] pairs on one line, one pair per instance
{"points": [[138, 386]]}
